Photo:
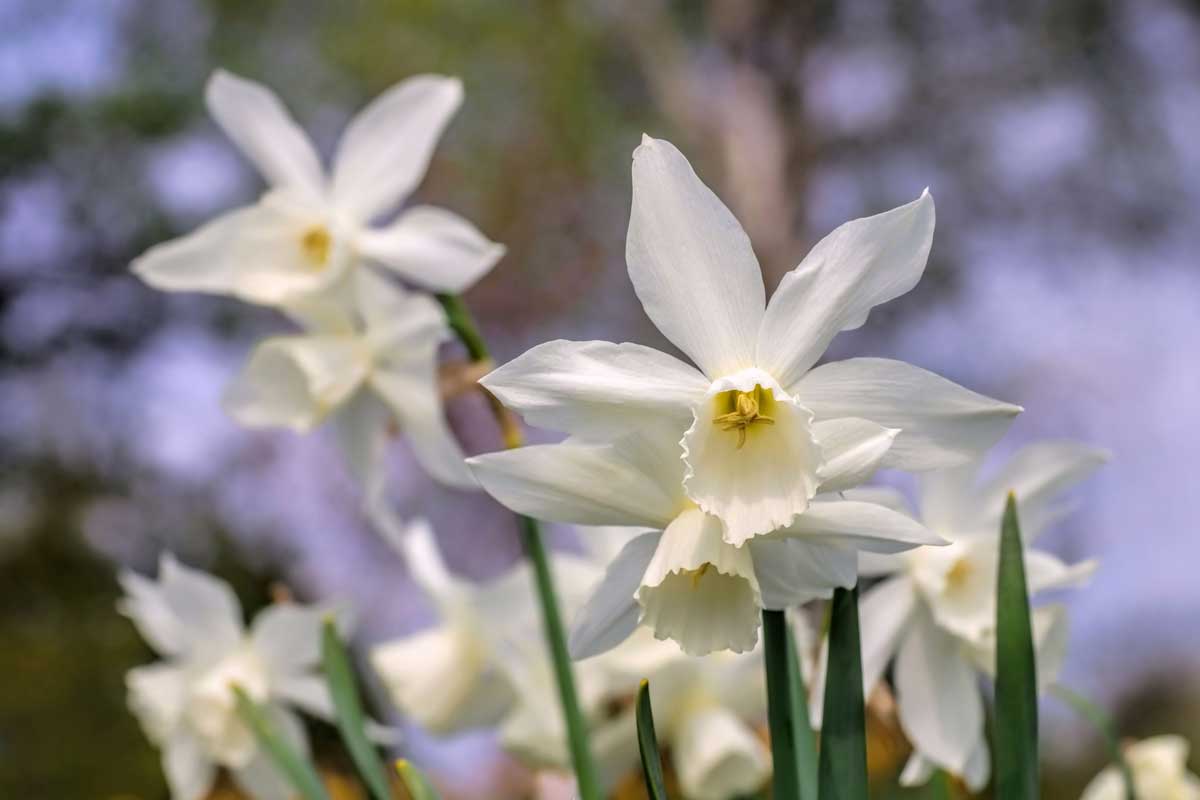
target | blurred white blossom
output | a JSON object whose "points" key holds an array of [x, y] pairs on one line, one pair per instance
{"points": [[1159, 767], [309, 230], [185, 702], [760, 431], [935, 608], [682, 578]]}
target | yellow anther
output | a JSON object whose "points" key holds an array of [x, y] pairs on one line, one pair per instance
{"points": [[959, 573], [316, 244], [697, 574], [747, 410]]}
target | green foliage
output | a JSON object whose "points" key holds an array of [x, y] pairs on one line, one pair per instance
{"points": [[351, 720], [294, 767], [843, 757], [648, 745]]}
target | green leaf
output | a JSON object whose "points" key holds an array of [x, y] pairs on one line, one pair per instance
{"points": [[843, 757], [1016, 724], [648, 745], [351, 721], [299, 772], [1104, 725], [418, 786], [805, 740], [779, 662]]}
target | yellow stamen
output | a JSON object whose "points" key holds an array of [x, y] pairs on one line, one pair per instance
{"points": [[747, 410], [316, 244], [959, 573]]}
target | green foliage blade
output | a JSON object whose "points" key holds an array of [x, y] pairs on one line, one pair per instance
{"points": [[843, 758], [652, 767], [299, 772]]}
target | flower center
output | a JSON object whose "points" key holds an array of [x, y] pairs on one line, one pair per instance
{"points": [[316, 244], [959, 572], [743, 409]]}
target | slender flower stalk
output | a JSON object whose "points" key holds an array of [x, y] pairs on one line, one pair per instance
{"points": [[463, 325]]}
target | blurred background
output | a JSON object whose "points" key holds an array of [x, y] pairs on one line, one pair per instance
{"points": [[1061, 141]]}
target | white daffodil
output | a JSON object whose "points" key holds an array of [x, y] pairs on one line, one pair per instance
{"points": [[705, 713], [683, 578], [309, 229], [755, 422], [185, 702], [1159, 767], [935, 609], [370, 355]]}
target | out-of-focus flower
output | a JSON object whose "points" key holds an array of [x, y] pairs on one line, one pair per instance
{"points": [[185, 702], [935, 609], [309, 230], [756, 425], [682, 578], [369, 356], [1159, 767]]}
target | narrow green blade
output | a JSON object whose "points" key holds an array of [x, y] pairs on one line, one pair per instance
{"points": [[843, 757], [1016, 674], [351, 721], [805, 739], [779, 662], [1104, 725], [648, 745], [295, 768], [418, 786]]}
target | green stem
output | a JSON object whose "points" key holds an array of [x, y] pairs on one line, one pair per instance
{"points": [[782, 724], [806, 741], [463, 325], [1104, 724]]}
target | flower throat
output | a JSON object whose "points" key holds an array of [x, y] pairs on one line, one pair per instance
{"points": [[743, 409]]}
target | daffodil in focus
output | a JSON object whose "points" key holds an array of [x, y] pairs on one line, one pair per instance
{"points": [[310, 229], [1159, 767], [935, 608], [753, 420], [682, 578], [185, 702], [368, 359]]}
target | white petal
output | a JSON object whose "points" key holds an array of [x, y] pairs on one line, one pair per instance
{"points": [[949, 503], [189, 771], [433, 248], [361, 429], [309, 693], [1038, 473], [1049, 641], [287, 636], [442, 679], [792, 572], [942, 424], [852, 450], [937, 694], [757, 479], [587, 484], [885, 613], [917, 771], [296, 381], [201, 261], [718, 757], [863, 263], [261, 778], [979, 767], [206, 608], [597, 388], [386, 148], [254, 118], [700, 590], [403, 327], [1045, 572], [865, 526], [611, 614], [960, 585], [691, 263], [413, 396], [887, 496], [157, 696], [146, 606], [425, 564]]}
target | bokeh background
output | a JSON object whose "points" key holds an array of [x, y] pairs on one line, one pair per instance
{"points": [[1060, 139]]}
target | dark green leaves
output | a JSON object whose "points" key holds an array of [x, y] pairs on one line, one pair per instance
{"points": [[793, 748], [351, 720], [648, 745], [1016, 738], [843, 758], [290, 763]]}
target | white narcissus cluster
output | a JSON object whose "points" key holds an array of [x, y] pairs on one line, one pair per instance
{"points": [[934, 609], [743, 452], [484, 664], [312, 247], [186, 703], [1160, 772]]}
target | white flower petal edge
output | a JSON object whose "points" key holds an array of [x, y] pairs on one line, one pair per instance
{"points": [[691, 263], [861, 264], [719, 756], [611, 614], [386, 148], [1159, 766], [432, 247]]}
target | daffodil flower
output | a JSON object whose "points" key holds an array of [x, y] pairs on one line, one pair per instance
{"points": [[185, 702], [935, 609], [682, 577], [369, 358], [754, 422], [310, 229], [1159, 767]]}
